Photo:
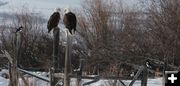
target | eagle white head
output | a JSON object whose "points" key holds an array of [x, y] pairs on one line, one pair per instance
{"points": [[57, 10], [66, 10]]}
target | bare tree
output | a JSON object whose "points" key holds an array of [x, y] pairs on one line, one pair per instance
{"points": [[111, 32], [163, 16], [36, 46]]}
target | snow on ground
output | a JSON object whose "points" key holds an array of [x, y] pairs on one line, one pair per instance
{"points": [[151, 82], [3, 81], [37, 82], [33, 82]]}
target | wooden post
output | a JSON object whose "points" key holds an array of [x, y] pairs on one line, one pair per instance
{"points": [[164, 69], [78, 83], [115, 82], [79, 73], [55, 64], [145, 76], [56, 48], [67, 70], [14, 71], [50, 76], [24, 80], [10, 74]]}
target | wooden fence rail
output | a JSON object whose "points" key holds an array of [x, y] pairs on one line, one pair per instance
{"points": [[35, 75]]}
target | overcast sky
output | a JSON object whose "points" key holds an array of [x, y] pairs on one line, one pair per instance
{"points": [[46, 7]]}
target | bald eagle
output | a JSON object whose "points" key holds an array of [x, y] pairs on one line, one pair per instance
{"points": [[70, 20], [53, 20]]}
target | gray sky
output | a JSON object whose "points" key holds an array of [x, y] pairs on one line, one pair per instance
{"points": [[44, 6]]}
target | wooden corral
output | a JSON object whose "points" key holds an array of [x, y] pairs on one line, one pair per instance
{"points": [[55, 78]]}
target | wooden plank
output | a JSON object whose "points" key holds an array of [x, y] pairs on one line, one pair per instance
{"points": [[122, 82], [93, 81], [137, 75], [94, 77], [35, 75], [101, 77], [35, 69]]}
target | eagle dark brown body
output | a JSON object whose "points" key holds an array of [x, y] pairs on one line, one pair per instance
{"points": [[70, 21], [53, 21]]}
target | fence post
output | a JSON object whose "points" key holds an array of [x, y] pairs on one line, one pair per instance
{"points": [[51, 76], [14, 71], [10, 74], [115, 82], [79, 72], [67, 70], [145, 76], [55, 64], [164, 69]]}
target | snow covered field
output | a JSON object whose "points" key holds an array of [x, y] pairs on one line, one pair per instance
{"points": [[37, 82], [151, 82], [3, 81]]}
